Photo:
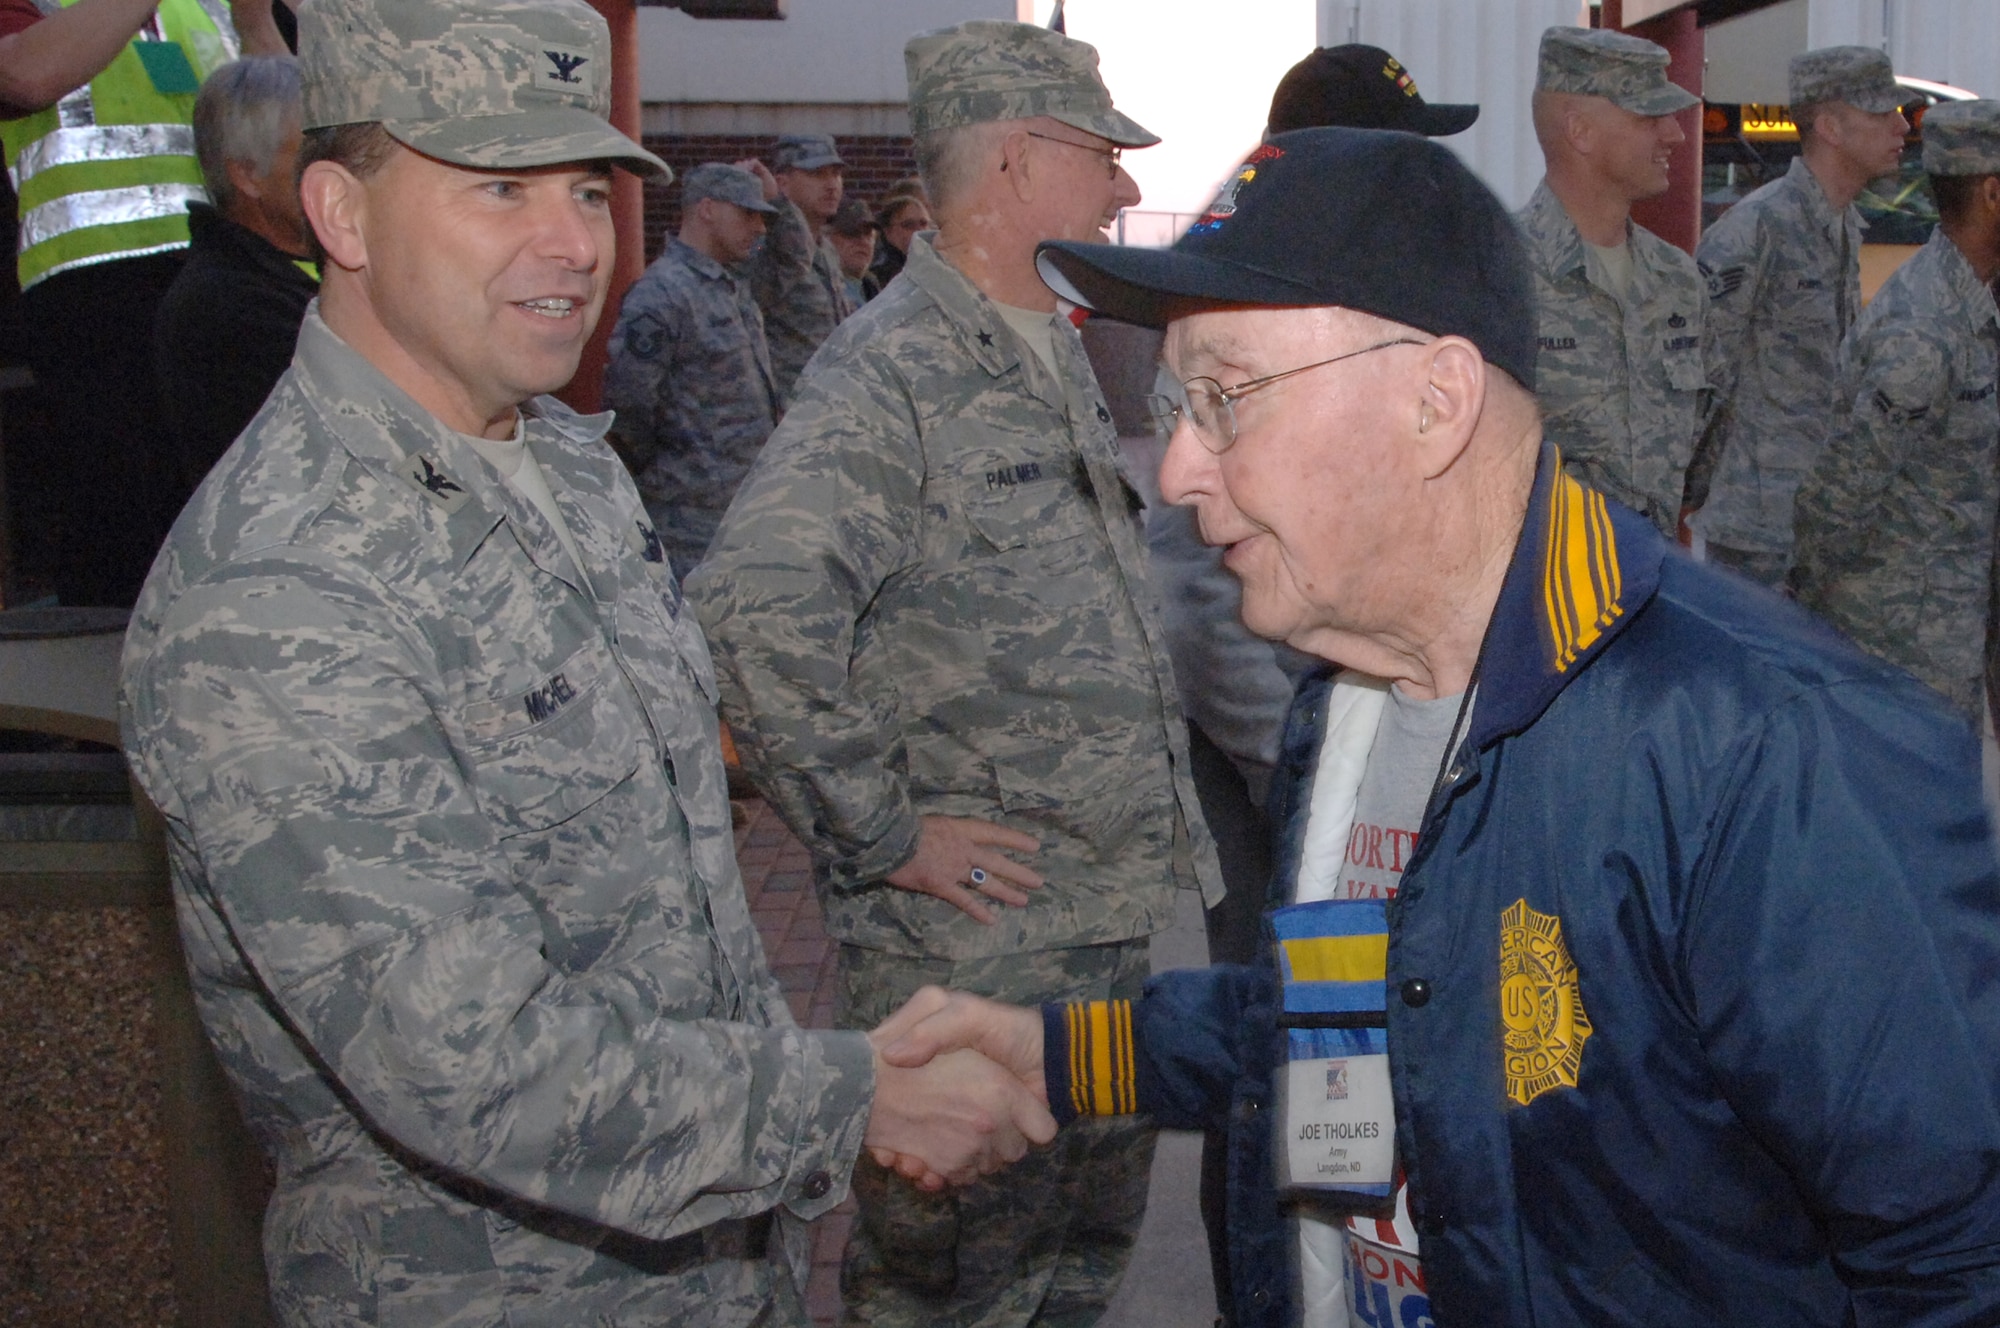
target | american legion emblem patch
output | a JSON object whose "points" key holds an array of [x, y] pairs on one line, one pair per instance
{"points": [[1541, 1008]]}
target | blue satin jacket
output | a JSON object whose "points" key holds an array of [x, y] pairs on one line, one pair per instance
{"points": [[1694, 977]]}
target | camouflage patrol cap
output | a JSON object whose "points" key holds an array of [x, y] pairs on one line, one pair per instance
{"points": [[1628, 71], [1858, 75], [1962, 138], [731, 184], [492, 84], [805, 152], [989, 69]]}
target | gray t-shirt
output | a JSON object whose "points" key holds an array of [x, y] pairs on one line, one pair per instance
{"points": [[1395, 790]]}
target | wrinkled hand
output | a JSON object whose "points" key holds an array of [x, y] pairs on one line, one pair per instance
{"points": [[935, 1023], [764, 177], [954, 1118], [950, 847]]}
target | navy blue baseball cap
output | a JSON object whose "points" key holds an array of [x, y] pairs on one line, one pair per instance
{"points": [[1385, 223]]}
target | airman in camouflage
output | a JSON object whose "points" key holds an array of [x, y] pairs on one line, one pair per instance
{"points": [[796, 273], [433, 734], [1783, 269], [930, 606], [1896, 521], [1618, 373], [689, 373]]}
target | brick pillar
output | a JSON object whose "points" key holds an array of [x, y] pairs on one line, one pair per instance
{"points": [[628, 213], [1675, 216]]}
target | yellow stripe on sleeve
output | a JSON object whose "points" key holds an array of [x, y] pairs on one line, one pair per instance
{"points": [[1338, 958]]}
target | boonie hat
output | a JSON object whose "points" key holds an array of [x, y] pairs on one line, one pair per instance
{"points": [[990, 69], [1385, 223], [492, 84], [1861, 76], [1628, 71], [805, 152], [731, 184], [1962, 138], [1362, 87]]}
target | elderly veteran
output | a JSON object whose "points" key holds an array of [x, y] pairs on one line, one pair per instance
{"points": [[1896, 523], [930, 613], [1683, 1008], [433, 734], [1784, 286], [1618, 360], [689, 372]]}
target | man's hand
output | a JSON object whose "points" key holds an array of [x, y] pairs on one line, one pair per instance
{"points": [[936, 1022], [764, 177], [958, 860], [952, 1119]]}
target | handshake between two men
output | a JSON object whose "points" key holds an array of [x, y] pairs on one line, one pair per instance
{"points": [[959, 1088]]}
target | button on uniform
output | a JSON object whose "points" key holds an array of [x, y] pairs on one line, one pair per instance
{"points": [[1416, 993], [816, 1185]]}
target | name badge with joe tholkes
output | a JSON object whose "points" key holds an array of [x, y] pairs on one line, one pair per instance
{"points": [[1338, 1113]]}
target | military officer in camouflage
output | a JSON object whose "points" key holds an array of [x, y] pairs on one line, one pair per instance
{"points": [[1896, 521], [433, 735], [689, 372], [1784, 285], [941, 664], [1618, 367], [795, 272]]}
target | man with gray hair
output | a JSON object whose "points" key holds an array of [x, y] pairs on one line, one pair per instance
{"points": [[941, 664], [689, 372], [434, 738], [1618, 362], [226, 327], [1784, 286]]}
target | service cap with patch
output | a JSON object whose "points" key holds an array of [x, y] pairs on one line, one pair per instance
{"points": [[731, 184], [1595, 62], [805, 152], [1962, 138], [989, 69], [491, 84], [1858, 75]]}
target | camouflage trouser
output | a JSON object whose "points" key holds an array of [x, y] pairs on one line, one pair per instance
{"points": [[1043, 1242], [1766, 569]]}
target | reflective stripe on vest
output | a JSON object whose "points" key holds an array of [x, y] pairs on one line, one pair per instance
{"points": [[106, 207], [67, 147]]}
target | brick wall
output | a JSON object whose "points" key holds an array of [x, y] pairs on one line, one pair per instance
{"points": [[873, 164]]}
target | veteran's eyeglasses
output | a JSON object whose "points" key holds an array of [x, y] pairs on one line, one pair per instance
{"points": [[1111, 156], [1210, 408]]}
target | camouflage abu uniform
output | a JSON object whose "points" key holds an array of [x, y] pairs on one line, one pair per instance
{"points": [[690, 378], [1784, 286], [930, 598], [798, 282], [450, 844], [1618, 374], [1896, 521]]}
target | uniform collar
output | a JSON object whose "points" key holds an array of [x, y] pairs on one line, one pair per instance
{"points": [[1817, 205], [1581, 570], [689, 256], [972, 316], [1554, 237], [385, 430], [1975, 298]]}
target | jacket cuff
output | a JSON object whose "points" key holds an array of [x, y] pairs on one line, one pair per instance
{"points": [[885, 855], [840, 1090], [1089, 1059]]}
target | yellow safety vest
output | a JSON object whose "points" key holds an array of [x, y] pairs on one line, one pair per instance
{"points": [[108, 171]]}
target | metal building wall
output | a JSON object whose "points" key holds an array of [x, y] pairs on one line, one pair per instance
{"points": [[1466, 50], [1951, 41]]}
